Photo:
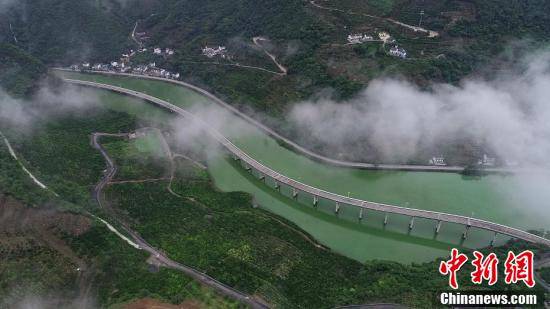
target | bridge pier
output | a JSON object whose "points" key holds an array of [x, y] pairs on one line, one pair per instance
{"points": [[247, 167], [262, 177], [411, 224], [315, 200], [361, 213], [277, 186], [437, 227], [465, 234], [494, 239], [386, 219], [294, 193], [337, 208], [236, 158]]}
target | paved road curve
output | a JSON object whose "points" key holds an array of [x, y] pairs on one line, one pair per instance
{"points": [[319, 193], [160, 256]]}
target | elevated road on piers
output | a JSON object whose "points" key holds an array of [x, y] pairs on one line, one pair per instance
{"points": [[317, 193]]}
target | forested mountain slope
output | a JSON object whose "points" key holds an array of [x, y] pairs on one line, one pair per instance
{"points": [[308, 37], [457, 39], [20, 72], [57, 31]]}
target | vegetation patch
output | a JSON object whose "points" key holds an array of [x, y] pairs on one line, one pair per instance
{"points": [[20, 72], [545, 274], [72, 167], [31, 270], [140, 158], [216, 232], [256, 252], [123, 275]]}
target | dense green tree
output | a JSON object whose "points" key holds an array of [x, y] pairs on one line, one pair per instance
{"points": [[19, 71]]}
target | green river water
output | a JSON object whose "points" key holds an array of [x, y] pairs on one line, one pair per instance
{"points": [[510, 200]]}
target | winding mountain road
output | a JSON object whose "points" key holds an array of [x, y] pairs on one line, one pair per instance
{"points": [[233, 65], [133, 35], [430, 33], [14, 156], [144, 245], [13, 35], [256, 41]]}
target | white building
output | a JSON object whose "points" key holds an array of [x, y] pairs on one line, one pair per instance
{"points": [[385, 37], [212, 52], [86, 65], [398, 52], [101, 67], [439, 161], [114, 64], [359, 38], [157, 51], [169, 51], [487, 161]]}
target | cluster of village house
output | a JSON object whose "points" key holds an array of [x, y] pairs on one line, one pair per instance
{"points": [[123, 65], [211, 52], [395, 50], [485, 161]]}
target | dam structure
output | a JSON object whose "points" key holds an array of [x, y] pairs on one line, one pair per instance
{"points": [[298, 188]]}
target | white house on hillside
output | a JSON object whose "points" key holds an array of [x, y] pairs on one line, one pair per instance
{"points": [[439, 161], [212, 52], [396, 51], [359, 38]]}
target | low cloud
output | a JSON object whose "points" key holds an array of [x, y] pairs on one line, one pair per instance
{"points": [[51, 301], [6, 4], [190, 133], [510, 114], [292, 48], [12, 111], [125, 3], [47, 103]]}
